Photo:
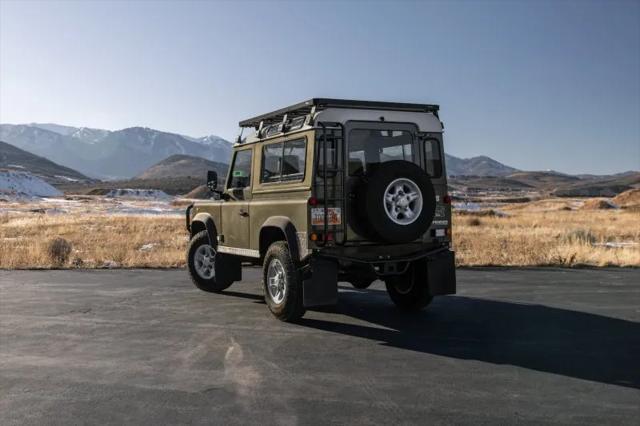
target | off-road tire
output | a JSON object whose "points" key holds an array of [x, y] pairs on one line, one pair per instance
{"points": [[223, 264], [409, 291], [372, 208], [292, 307]]}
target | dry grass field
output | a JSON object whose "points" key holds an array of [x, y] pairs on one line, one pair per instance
{"points": [[556, 232]]}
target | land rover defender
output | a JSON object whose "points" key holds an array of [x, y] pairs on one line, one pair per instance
{"points": [[330, 190]]}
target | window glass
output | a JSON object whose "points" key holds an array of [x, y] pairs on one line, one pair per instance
{"points": [[331, 144], [271, 162], [241, 170], [294, 159], [433, 157], [284, 161], [369, 147]]}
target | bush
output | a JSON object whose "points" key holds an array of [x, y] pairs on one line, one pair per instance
{"points": [[579, 236], [59, 250], [474, 221]]}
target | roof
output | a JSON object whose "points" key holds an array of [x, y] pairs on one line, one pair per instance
{"points": [[306, 107]]}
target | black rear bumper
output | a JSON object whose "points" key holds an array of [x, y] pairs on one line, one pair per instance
{"points": [[380, 254]]}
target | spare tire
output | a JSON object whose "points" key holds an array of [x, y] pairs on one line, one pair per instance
{"points": [[397, 201]]}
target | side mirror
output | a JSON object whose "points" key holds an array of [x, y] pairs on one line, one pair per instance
{"points": [[212, 180]]}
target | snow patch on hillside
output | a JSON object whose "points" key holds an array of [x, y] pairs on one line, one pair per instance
{"points": [[14, 184], [146, 194]]}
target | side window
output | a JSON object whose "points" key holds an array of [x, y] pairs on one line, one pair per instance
{"points": [[433, 158], [241, 170], [271, 162], [294, 160], [284, 162]]}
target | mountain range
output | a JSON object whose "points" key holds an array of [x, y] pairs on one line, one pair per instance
{"points": [[147, 157], [126, 153], [106, 154]]}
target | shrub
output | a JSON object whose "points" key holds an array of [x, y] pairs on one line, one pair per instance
{"points": [[59, 250], [579, 236], [474, 221]]}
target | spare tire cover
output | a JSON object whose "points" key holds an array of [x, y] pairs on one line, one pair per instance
{"points": [[398, 201]]}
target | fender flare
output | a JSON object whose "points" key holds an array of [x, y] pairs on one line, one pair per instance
{"points": [[288, 229], [208, 223]]}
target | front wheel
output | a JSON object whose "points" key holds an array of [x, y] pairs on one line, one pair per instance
{"points": [[409, 291], [282, 283], [209, 270]]}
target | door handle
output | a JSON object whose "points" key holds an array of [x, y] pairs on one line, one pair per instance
{"points": [[243, 213]]}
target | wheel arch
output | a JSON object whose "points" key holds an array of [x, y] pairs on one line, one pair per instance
{"points": [[279, 228], [204, 221]]}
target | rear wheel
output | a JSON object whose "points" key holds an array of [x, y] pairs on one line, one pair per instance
{"points": [[209, 270], [282, 283], [409, 291]]}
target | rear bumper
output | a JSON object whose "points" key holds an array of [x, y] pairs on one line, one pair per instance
{"points": [[380, 254]]}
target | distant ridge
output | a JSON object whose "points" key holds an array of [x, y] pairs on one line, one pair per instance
{"points": [[13, 158], [476, 166]]}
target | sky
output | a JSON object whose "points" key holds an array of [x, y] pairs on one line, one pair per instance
{"points": [[534, 84]]}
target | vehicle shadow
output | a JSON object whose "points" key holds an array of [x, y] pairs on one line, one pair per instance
{"points": [[553, 340]]}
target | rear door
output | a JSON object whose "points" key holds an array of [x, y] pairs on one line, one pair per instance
{"points": [[367, 145]]}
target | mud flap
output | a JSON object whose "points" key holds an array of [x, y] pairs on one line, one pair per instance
{"points": [[441, 273], [228, 267], [321, 288]]}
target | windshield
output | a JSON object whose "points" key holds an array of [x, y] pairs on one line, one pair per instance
{"points": [[370, 147]]}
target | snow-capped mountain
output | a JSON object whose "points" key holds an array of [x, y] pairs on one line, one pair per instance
{"points": [[110, 154]]}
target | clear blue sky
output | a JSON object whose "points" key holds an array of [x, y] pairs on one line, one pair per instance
{"points": [[534, 84]]}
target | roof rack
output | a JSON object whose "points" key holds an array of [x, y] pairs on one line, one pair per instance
{"points": [[317, 104]]}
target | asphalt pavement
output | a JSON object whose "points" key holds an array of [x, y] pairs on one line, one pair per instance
{"points": [[527, 346]]}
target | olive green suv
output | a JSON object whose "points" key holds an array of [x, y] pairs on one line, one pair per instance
{"points": [[330, 190]]}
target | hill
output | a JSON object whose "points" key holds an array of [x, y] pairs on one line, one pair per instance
{"points": [[180, 165], [110, 154], [24, 185], [547, 183], [13, 158], [476, 166], [604, 186]]}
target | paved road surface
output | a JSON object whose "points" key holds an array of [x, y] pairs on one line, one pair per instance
{"points": [[111, 347]]}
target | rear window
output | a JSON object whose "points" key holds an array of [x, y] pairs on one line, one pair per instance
{"points": [[369, 147]]}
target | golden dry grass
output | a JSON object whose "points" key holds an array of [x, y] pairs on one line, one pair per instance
{"points": [[97, 241], [555, 237], [545, 232]]}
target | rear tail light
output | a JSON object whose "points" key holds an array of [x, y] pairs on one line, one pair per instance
{"points": [[313, 201], [329, 236], [446, 199]]}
